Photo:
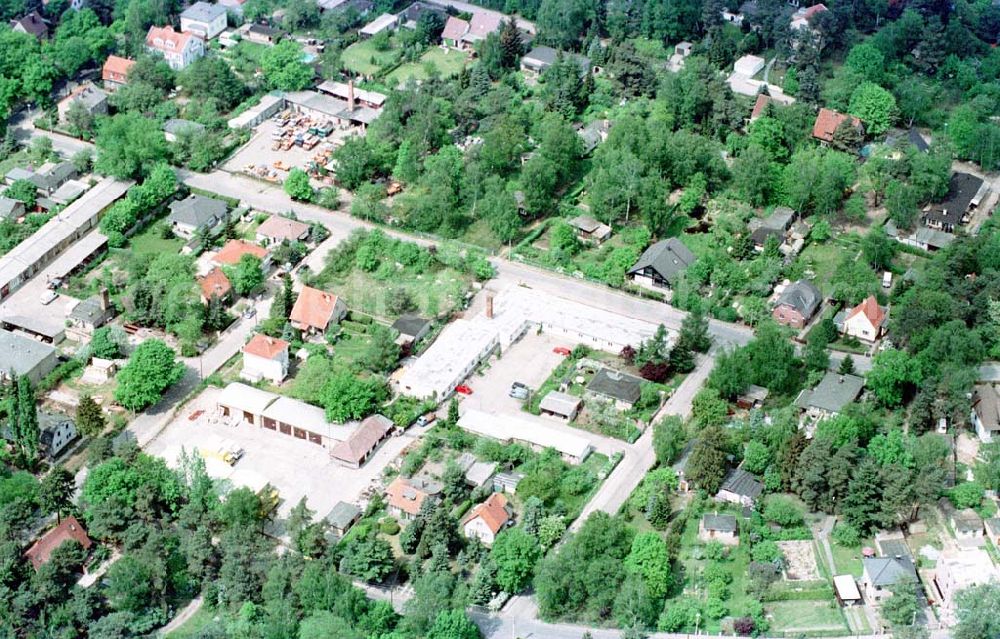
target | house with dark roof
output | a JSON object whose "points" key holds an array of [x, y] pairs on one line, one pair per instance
{"points": [[342, 517], [540, 58], [411, 15], [195, 213], [10, 209], [986, 412], [661, 264], [797, 304], [967, 524], [50, 177], [92, 313], [68, 530], [610, 385], [593, 134], [33, 24], [965, 193], [721, 528], [411, 328], [740, 488], [263, 34], [25, 356], [833, 393], [92, 99], [55, 433], [589, 230], [880, 574], [827, 122]]}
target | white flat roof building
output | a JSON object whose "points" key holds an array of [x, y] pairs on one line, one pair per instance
{"points": [[749, 65], [508, 428], [378, 25], [246, 398], [847, 588], [299, 414], [460, 347]]}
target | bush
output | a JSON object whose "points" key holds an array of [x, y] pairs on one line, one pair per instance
{"points": [[967, 495], [846, 535], [782, 511], [388, 526]]}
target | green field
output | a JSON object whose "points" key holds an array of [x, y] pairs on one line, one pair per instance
{"points": [[194, 626], [847, 560], [805, 616], [447, 63], [362, 57], [151, 240]]}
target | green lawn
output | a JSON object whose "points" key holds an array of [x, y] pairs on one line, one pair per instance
{"points": [[151, 240], [14, 160], [192, 627], [362, 57], [433, 292], [805, 616], [822, 260], [447, 63], [245, 57], [847, 560]]}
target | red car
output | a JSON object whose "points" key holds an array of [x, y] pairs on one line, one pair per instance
{"points": [[562, 350], [463, 389]]}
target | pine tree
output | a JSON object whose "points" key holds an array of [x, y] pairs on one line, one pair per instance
{"points": [[452, 420], [846, 366], [56, 491], [25, 417], [89, 417], [510, 44]]}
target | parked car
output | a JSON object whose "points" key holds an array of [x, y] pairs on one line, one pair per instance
{"points": [[424, 420], [518, 391], [463, 389], [235, 456], [48, 297], [55, 283], [562, 350]]}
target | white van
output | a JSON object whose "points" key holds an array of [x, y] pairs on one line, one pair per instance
{"points": [[886, 279]]}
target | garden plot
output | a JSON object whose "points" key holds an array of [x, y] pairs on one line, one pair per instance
{"points": [[800, 560]]}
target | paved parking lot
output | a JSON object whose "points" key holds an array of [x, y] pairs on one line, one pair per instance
{"points": [[296, 468], [529, 361]]}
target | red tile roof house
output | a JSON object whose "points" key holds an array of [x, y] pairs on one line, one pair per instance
{"points": [[265, 358], [215, 284], [454, 29], [866, 321], [178, 49], [827, 121], [486, 520], [316, 310], [114, 73], [405, 496], [482, 24], [69, 530], [233, 250], [759, 106]]}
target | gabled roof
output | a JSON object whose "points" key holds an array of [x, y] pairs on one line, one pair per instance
{"points": [[90, 311], [889, 571], [967, 521], [986, 403], [962, 190], [214, 283], [233, 250], [454, 28], [343, 515], [740, 482], [667, 257], [277, 227], [484, 23], [116, 66], [176, 126], [264, 346], [493, 512], [803, 296], [246, 398], [372, 430], [10, 207], [719, 523], [197, 211], [759, 106], [833, 393], [827, 121], [560, 403], [70, 529], [616, 385], [410, 325], [32, 24], [870, 309], [166, 39], [313, 308]]}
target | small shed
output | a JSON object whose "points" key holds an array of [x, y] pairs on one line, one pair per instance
{"points": [[847, 590], [967, 524], [507, 482], [752, 397], [721, 528], [561, 405], [342, 517]]}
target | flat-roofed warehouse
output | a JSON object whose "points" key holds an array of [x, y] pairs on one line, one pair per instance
{"points": [[37, 250], [507, 428], [450, 359]]}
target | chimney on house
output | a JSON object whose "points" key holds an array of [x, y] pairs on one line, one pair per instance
{"points": [[489, 306], [350, 94], [105, 299]]}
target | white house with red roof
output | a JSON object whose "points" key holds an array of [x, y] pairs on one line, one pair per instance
{"points": [[866, 321], [265, 358], [486, 520], [114, 73], [803, 17], [315, 310], [178, 49]]}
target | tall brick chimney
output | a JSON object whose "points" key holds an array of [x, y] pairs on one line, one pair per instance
{"points": [[350, 94], [105, 299], [489, 306]]}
